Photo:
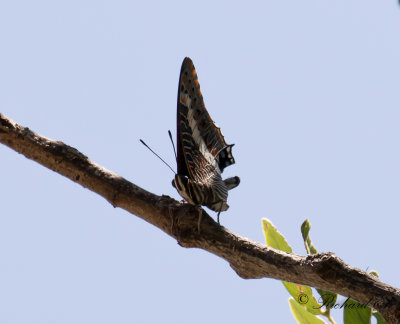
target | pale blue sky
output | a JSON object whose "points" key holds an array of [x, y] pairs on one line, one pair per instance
{"points": [[307, 90]]}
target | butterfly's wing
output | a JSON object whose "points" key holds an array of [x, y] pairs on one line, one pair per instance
{"points": [[207, 137], [191, 162], [198, 181], [202, 151]]}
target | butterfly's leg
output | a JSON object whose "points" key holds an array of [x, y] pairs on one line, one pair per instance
{"points": [[218, 215]]}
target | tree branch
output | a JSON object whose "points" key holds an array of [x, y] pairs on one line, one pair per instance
{"points": [[249, 259]]}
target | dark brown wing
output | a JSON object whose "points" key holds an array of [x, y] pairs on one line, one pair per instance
{"points": [[192, 113], [191, 161]]}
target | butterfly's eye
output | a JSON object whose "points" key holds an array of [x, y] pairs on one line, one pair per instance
{"points": [[173, 184]]}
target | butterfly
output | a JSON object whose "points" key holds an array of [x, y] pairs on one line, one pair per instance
{"points": [[202, 153]]}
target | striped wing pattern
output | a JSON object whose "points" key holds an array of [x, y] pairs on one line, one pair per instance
{"points": [[202, 151], [206, 134]]}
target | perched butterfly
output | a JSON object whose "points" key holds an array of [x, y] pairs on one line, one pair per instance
{"points": [[202, 151]]}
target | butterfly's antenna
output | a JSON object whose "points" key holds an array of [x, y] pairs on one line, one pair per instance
{"points": [[173, 145], [158, 156]]}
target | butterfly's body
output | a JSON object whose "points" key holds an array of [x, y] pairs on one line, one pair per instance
{"points": [[213, 196], [202, 151]]}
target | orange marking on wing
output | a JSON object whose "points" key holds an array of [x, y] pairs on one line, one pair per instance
{"points": [[184, 100], [200, 126], [184, 78]]}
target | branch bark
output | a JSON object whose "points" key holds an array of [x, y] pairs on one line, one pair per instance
{"points": [[249, 259]]}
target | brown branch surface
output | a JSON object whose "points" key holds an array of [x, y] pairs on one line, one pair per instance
{"points": [[249, 259]]}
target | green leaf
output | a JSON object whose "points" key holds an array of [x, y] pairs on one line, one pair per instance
{"points": [[305, 230], [356, 313], [376, 314], [273, 238], [374, 273], [301, 314], [303, 295], [328, 298], [379, 318]]}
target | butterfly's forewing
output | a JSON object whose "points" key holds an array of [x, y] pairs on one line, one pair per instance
{"points": [[205, 134], [182, 129], [191, 162]]}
